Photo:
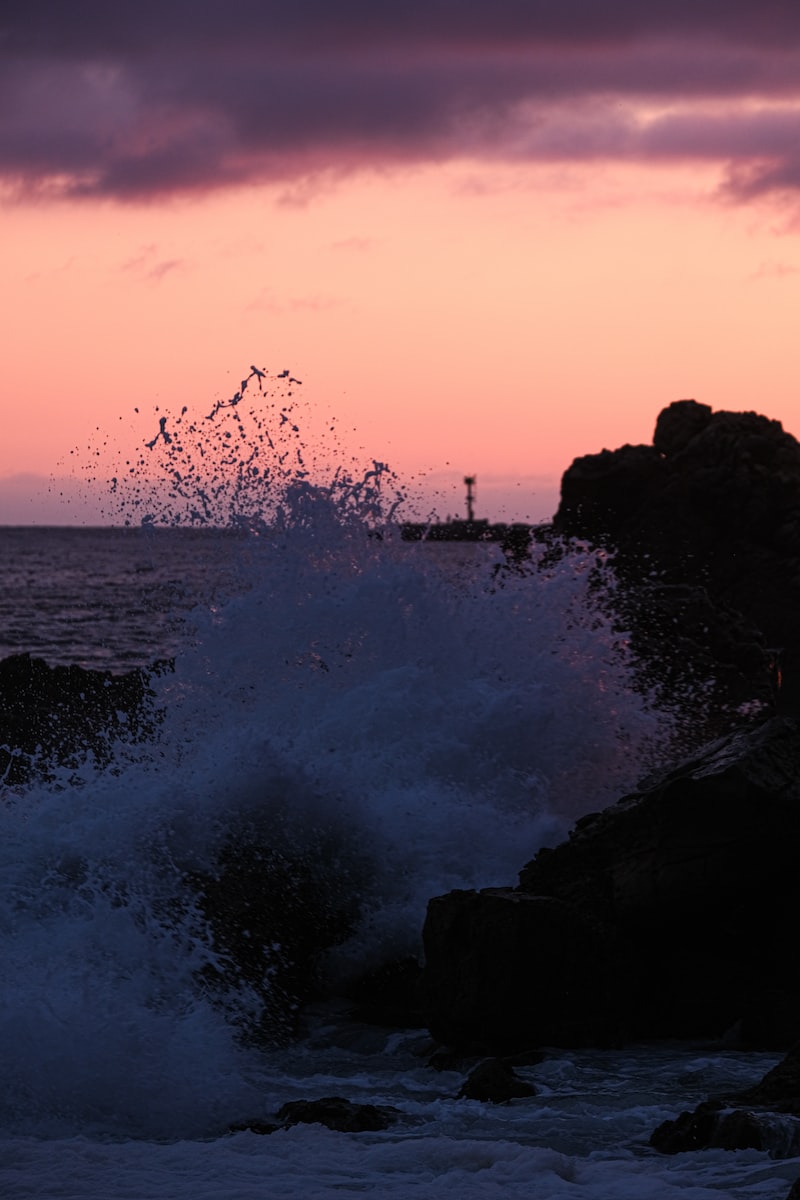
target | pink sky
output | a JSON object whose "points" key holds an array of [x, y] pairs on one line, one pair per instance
{"points": [[485, 248]]}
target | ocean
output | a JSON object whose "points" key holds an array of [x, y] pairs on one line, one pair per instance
{"points": [[108, 598], [439, 714], [434, 716]]}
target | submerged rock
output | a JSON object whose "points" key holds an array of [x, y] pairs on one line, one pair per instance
{"points": [[715, 1126], [494, 1082], [336, 1113], [763, 1117], [666, 915]]}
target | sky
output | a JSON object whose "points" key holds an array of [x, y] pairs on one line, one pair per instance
{"points": [[487, 237]]}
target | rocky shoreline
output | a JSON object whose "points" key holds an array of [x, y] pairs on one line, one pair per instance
{"points": [[665, 916], [669, 914]]}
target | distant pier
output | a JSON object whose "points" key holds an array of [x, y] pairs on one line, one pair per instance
{"points": [[515, 536]]}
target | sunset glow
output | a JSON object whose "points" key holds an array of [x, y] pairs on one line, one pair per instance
{"points": [[494, 293]]}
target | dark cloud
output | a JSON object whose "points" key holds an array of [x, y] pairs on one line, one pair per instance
{"points": [[141, 101], [97, 27]]}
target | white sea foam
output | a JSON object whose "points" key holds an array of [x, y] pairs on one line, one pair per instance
{"points": [[437, 731], [437, 721]]}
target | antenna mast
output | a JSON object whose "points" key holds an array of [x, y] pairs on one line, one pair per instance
{"points": [[470, 481]]}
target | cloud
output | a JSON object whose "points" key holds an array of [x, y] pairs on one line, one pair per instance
{"points": [[268, 301], [773, 270], [148, 264], [114, 29], [140, 102]]}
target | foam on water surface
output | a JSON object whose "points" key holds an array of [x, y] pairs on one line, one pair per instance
{"points": [[585, 1135], [421, 717], [351, 696]]}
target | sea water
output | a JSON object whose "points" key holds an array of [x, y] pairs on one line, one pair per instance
{"points": [[436, 718], [107, 598]]}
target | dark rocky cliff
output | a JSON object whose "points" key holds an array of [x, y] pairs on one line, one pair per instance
{"points": [[714, 503]]}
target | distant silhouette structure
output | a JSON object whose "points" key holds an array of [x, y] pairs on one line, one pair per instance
{"points": [[470, 481], [515, 539]]}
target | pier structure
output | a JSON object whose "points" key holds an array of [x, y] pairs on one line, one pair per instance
{"points": [[516, 536]]}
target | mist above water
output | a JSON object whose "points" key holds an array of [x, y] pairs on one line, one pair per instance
{"points": [[425, 714]]}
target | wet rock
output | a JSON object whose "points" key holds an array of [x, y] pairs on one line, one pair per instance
{"points": [[338, 1114], [666, 915], [273, 903], [688, 1131], [505, 971], [695, 876], [390, 996], [763, 1117], [692, 653], [493, 1081], [53, 716], [696, 658], [711, 1126], [780, 1087], [715, 503]]}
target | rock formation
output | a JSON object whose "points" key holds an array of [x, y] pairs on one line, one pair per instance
{"points": [[343, 1116], [272, 904], [713, 503], [55, 715], [666, 915], [494, 1082], [763, 1117]]}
